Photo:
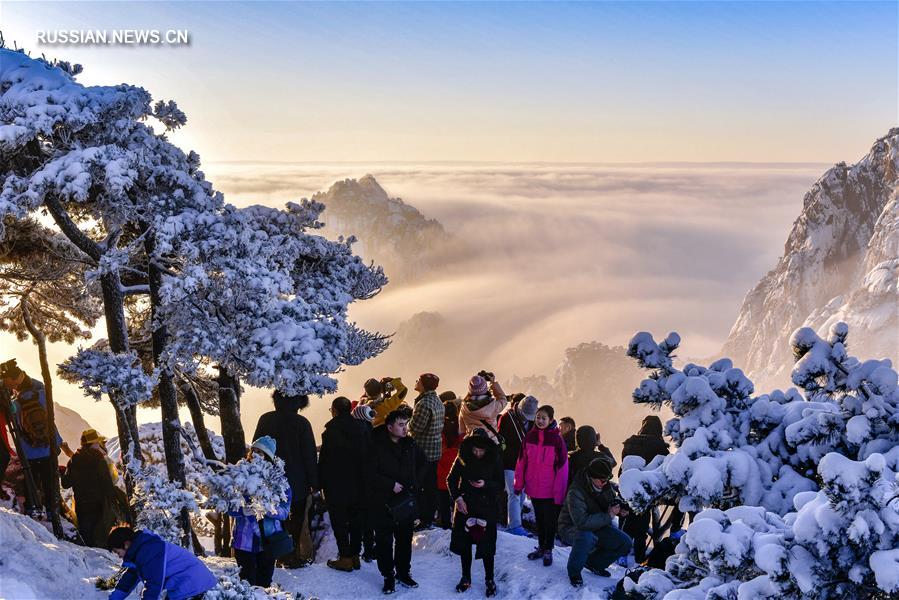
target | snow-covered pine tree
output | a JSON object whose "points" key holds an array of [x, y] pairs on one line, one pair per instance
{"points": [[42, 296], [816, 513], [71, 151]]}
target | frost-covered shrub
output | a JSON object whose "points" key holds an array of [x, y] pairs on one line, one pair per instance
{"points": [[158, 502], [799, 489], [258, 486], [100, 372]]}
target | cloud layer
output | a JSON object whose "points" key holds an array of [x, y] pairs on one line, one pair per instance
{"points": [[553, 256]]}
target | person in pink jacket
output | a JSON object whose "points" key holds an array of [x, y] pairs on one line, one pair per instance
{"points": [[481, 407], [542, 472]]}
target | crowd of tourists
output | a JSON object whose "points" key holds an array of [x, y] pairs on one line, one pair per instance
{"points": [[389, 464]]}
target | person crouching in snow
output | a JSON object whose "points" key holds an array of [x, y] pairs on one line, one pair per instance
{"points": [[160, 565], [475, 482], [586, 522], [542, 472], [250, 536]]}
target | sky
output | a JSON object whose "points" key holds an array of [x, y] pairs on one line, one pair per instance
{"points": [[536, 81], [590, 142]]}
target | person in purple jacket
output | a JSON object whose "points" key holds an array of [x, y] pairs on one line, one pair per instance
{"points": [[256, 561], [542, 472], [160, 565]]}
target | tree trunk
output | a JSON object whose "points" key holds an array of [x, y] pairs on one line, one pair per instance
{"points": [[117, 334], [196, 416], [114, 312], [168, 395], [229, 413], [235, 440], [41, 341]]}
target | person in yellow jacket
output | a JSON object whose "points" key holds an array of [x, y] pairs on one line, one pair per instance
{"points": [[383, 397]]}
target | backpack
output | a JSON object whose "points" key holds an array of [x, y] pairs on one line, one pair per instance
{"points": [[633, 575], [34, 420]]}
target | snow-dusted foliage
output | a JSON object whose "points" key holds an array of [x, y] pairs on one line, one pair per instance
{"points": [[800, 489], [100, 372], [260, 296], [257, 486], [158, 502]]}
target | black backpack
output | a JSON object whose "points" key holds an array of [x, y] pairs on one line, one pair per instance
{"points": [[633, 575]]}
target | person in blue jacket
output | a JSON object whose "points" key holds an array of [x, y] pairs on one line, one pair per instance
{"points": [[160, 565]]}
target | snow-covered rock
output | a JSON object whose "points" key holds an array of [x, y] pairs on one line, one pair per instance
{"points": [[839, 263]]}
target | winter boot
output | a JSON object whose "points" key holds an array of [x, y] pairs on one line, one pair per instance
{"points": [[599, 572], [491, 588], [576, 581], [357, 564], [344, 563], [536, 554], [464, 584], [548, 558], [369, 555], [389, 585], [406, 580]]}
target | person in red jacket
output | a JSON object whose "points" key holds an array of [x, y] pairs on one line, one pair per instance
{"points": [[542, 472], [451, 441], [6, 453]]}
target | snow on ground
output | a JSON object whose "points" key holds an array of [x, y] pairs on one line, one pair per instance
{"points": [[34, 565], [437, 571]]}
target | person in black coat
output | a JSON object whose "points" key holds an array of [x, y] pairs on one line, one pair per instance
{"points": [[395, 470], [295, 441], [475, 482], [647, 444], [88, 474], [514, 424], [341, 468], [588, 448]]}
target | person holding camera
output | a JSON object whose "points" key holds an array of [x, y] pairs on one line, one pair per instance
{"points": [[483, 405], [586, 522], [383, 396], [34, 428], [474, 483], [396, 468]]}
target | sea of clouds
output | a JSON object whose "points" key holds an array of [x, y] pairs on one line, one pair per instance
{"points": [[563, 254]]}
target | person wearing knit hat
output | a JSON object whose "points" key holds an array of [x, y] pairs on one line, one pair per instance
{"points": [[363, 412], [483, 404], [257, 565], [514, 424], [266, 445], [586, 522]]}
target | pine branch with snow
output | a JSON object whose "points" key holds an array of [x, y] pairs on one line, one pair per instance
{"points": [[101, 372]]}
